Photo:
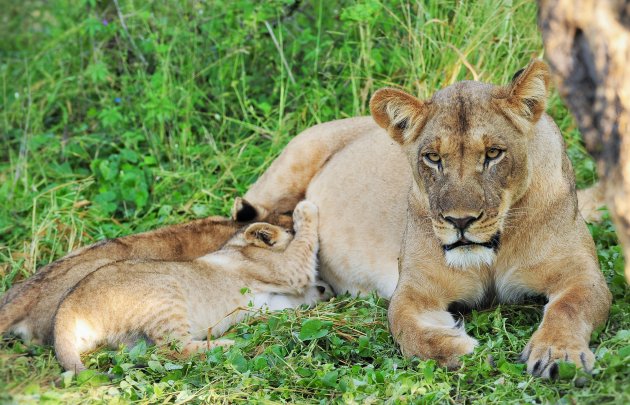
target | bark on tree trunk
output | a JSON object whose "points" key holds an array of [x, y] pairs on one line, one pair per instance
{"points": [[587, 44]]}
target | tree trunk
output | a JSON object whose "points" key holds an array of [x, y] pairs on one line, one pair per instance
{"points": [[587, 44]]}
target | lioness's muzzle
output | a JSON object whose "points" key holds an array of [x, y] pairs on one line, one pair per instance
{"points": [[493, 243]]}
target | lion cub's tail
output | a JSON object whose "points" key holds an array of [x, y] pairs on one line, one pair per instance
{"points": [[284, 183]]}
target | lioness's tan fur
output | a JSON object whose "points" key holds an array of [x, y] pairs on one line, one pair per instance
{"points": [[185, 301], [374, 191]]}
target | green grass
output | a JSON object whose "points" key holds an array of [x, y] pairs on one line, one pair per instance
{"points": [[108, 131]]}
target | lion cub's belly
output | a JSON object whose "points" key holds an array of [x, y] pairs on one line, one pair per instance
{"points": [[362, 198]]}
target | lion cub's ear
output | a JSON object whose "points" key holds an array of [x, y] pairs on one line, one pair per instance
{"points": [[263, 235], [401, 114], [525, 99], [244, 211]]}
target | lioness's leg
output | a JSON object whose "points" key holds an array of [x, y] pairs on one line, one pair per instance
{"points": [[285, 182], [578, 302], [422, 326]]}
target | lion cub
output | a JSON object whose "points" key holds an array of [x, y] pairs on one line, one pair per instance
{"points": [[183, 302]]}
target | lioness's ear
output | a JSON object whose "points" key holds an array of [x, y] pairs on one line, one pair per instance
{"points": [[244, 211], [262, 234], [525, 99], [401, 114]]}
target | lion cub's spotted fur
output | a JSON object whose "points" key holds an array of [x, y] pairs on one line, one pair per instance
{"points": [[182, 301]]}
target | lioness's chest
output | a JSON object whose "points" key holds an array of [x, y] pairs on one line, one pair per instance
{"points": [[490, 287]]}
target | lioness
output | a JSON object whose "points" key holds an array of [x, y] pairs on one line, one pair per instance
{"points": [[182, 300], [471, 196]]}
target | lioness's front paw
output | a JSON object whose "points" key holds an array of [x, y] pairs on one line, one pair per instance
{"points": [[305, 214], [546, 349], [443, 345]]}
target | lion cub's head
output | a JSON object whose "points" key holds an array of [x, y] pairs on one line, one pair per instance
{"points": [[262, 235], [467, 147]]}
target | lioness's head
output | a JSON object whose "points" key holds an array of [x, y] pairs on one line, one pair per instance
{"points": [[467, 147]]}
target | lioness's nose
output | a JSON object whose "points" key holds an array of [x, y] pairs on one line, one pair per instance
{"points": [[461, 223]]}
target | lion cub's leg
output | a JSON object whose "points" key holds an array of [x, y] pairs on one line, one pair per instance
{"points": [[170, 326], [300, 258], [292, 270], [193, 347]]}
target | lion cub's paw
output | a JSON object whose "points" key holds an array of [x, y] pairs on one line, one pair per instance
{"points": [[202, 346], [305, 214], [544, 351]]}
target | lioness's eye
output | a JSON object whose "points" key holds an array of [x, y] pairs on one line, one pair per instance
{"points": [[432, 157], [493, 153]]}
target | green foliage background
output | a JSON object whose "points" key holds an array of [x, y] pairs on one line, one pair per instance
{"points": [[116, 120]]}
